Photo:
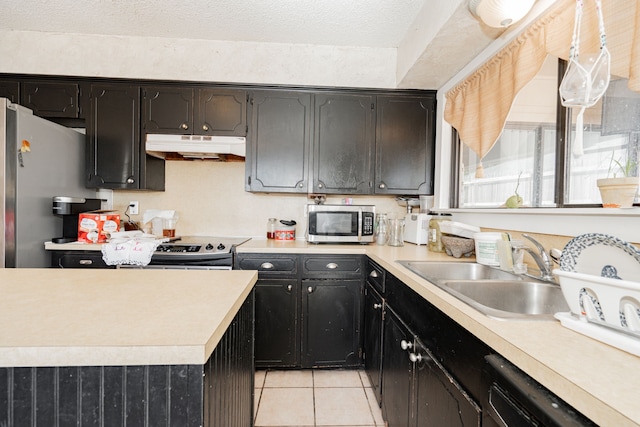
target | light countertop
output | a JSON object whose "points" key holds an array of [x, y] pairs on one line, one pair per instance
{"points": [[77, 317], [600, 381]]}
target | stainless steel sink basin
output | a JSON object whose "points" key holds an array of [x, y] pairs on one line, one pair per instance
{"points": [[493, 292], [435, 271], [509, 299]]}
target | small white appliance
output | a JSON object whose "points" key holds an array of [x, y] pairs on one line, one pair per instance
{"points": [[416, 228]]}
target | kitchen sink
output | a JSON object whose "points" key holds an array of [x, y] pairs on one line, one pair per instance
{"points": [[493, 292], [435, 271]]}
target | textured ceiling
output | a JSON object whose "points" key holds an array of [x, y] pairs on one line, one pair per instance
{"points": [[450, 37], [369, 23]]}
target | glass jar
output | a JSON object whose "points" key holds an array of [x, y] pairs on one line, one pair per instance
{"points": [[435, 240], [381, 233], [272, 224]]}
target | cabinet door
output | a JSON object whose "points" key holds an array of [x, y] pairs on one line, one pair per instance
{"points": [[440, 400], [397, 372], [168, 110], [10, 89], [405, 141], [331, 323], [113, 155], [221, 112], [277, 328], [343, 141], [279, 142], [52, 99], [373, 338]]}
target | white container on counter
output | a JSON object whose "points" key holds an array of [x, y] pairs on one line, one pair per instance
{"points": [[487, 248]]}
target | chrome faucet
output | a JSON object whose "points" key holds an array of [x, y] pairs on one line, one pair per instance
{"points": [[541, 258]]}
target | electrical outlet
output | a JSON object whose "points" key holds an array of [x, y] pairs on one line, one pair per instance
{"points": [[133, 208]]}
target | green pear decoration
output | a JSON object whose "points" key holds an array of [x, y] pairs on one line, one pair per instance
{"points": [[515, 201]]}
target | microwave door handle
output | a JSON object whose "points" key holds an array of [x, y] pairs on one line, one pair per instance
{"points": [[359, 224]]}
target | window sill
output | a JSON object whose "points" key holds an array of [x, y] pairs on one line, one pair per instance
{"points": [[622, 223]]}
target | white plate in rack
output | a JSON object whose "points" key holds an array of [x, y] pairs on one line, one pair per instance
{"points": [[601, 255]]}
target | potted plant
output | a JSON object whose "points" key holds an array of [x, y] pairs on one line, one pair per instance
{"points": [[619, 191]]}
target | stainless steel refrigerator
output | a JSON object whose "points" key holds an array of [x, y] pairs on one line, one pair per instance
{"points": [[39, 159]]}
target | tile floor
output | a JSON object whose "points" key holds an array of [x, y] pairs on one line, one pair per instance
{"points": [[315, 398]]}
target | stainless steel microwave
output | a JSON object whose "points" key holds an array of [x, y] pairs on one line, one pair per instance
{"points": [[340, 223]]}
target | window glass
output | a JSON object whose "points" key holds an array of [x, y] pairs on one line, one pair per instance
{"points": [[610, 136], [524, 156]]}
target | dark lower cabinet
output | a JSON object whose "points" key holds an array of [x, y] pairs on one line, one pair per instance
{"points": [[277, 326], [331, 323], [373, 338], [439, 399], [397, 372], [216, 394]]}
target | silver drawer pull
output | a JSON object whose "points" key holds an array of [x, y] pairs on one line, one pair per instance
{"points": [[373, 274], [332, 266], [266, 265], [85, 262], [377, 306]]}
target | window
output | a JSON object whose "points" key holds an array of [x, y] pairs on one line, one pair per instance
{"points": [[529, 156]]}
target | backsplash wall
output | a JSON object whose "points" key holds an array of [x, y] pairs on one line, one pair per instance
{"points": [[210, 200]]}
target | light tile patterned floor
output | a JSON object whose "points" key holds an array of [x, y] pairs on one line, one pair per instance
{"points": [[315, 398]]}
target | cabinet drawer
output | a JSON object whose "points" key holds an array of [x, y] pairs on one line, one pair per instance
{"points": [[279, 265], [78, 260], [376, 276], [332, 266]]}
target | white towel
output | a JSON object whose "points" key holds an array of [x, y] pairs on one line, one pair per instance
{"points": [[136, 251]]}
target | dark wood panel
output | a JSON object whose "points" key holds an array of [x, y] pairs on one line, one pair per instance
{"points": [[52, 99], [167, 395]]}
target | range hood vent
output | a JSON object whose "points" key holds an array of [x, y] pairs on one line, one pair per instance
{"points": [[173, 147]]}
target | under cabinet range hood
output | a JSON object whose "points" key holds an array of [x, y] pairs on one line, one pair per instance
{"points": [[174, 147]]}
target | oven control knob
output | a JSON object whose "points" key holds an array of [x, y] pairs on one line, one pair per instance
{"points": [[209, 246], [221, 247]]}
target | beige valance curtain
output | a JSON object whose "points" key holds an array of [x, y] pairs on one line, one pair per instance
{"points": [[478, 106]]}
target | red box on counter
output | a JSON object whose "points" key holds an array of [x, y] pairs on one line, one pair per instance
{"points": [[95, 226]]}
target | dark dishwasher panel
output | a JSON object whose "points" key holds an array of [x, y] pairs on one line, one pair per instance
{"points": [[515, 399]]}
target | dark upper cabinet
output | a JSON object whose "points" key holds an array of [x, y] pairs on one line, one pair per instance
{"points": [[194, 111], [405, 141], [52, 99], [279, 142], [10, 89], [342, 143], [168, 110], [115, 155]]}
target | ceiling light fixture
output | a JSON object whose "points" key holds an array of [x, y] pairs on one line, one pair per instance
{"points": [[500, 13]]}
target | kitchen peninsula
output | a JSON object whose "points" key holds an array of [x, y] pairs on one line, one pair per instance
{"points": [[160, 346]]}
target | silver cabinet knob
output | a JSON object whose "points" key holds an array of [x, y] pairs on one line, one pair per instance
{"points": [[320, 185], [205, 127], [184, 126], [382, 185], [300, 185], [266, 265], [289, 288], [130, 180], [310, 289], [377, 306], [85, 262], [373, 274], [415, 357], [405, 344], [332, 266]]}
